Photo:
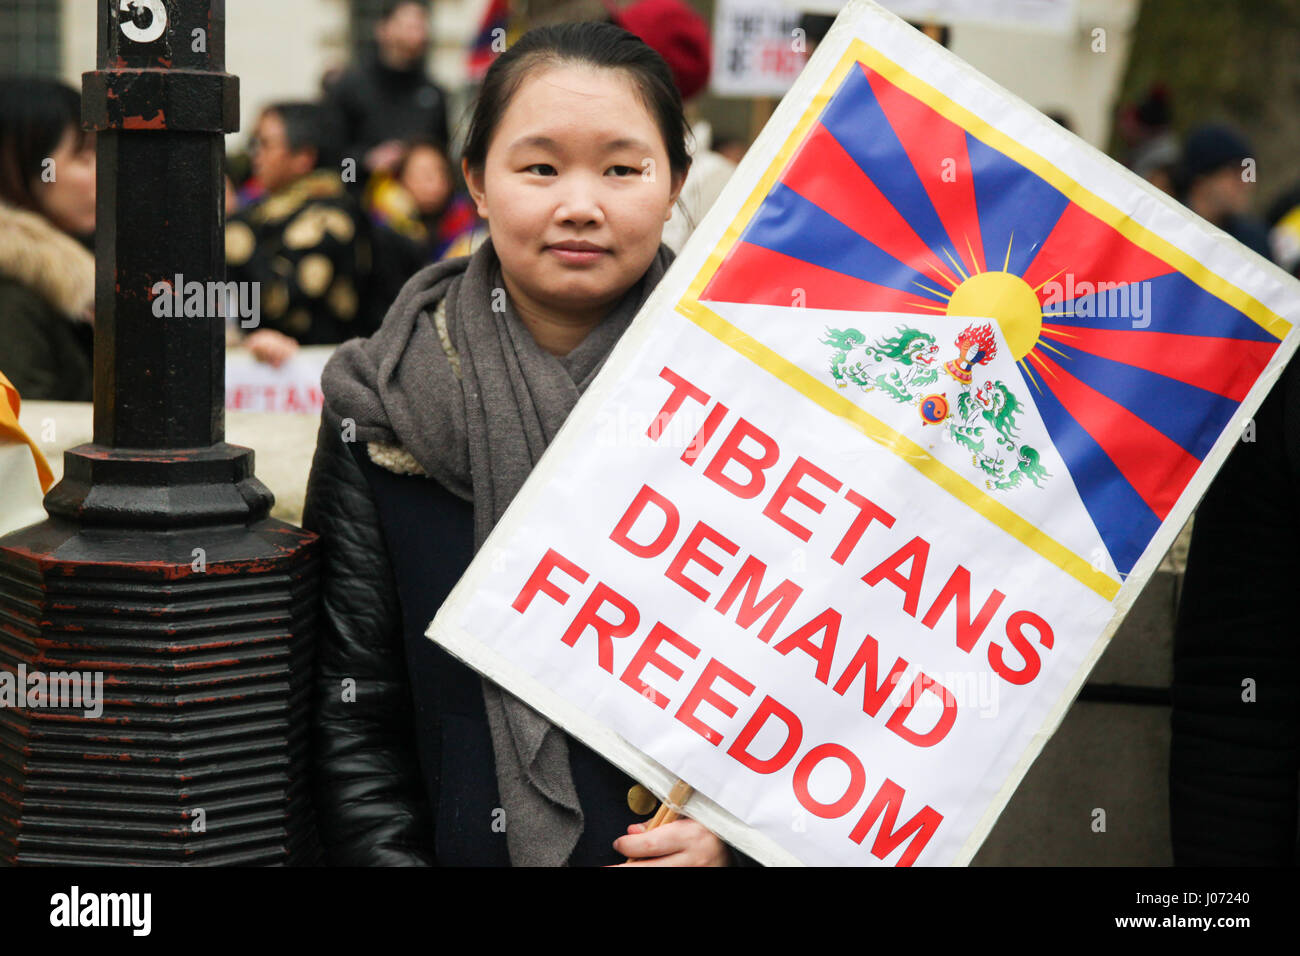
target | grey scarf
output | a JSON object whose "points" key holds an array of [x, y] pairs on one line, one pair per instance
{"points": [[476, 409]]}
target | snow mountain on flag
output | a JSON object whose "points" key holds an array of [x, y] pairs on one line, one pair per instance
{"points": [[899, 223]]}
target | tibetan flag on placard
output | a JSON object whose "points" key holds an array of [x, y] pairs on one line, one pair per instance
{"points": [[864, 490], [897, 223]]}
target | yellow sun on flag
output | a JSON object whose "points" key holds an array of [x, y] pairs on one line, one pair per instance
{"points": [[1006, 298], [1000, 295]]}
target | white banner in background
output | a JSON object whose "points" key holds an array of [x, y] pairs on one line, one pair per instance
{"points": [[253, 386], [755, 52], [1046, 16]]}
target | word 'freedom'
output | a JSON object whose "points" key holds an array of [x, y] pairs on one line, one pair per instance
{"points": [[745, 464]]}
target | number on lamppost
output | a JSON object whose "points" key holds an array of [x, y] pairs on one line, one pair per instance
{"points": [[157, 22]]}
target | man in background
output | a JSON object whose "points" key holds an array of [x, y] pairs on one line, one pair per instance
{"points": [[388, 97], [1235, 719], [306, 241], [1214, 182]]}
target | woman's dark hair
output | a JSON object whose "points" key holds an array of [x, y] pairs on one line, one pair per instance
{"points": [[392, 6], [594, 44], [35, 115]]}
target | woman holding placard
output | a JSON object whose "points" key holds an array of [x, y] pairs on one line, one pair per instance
{"points": [[431, 427]]}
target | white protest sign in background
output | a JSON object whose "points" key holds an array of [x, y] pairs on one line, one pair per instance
{"points": [[253, 386], [755, 49], [1047, 16], [772, 553]]}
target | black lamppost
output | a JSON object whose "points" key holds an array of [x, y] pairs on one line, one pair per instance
{"points": [[158, 571]]}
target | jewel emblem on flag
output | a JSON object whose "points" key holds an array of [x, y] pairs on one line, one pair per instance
{"points": [[982, 419]]}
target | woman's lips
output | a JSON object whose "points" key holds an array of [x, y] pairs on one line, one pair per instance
{"points": [[577, 253]]}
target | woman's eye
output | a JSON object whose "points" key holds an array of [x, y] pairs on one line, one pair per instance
{"points": [[623, 170], [541, 169]]}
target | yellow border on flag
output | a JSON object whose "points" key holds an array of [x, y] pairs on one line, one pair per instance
{"points": [[964, 490]]}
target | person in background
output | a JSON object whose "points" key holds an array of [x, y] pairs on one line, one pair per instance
{"points": [[1149, 145], [1213, 181], [1235, 720], [242, 189], [1157, 162], [47, 218], [1284, 230], [421, 203], [306, 241], [388, 98]]}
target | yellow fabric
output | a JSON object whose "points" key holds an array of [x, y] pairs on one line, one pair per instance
{"points": [[466, 244], [11, 431], [388, 199]]}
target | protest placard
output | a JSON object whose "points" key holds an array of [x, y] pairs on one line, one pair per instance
{"points": [[756, 48], [1041, 16], [255, 386], [864, 491]]}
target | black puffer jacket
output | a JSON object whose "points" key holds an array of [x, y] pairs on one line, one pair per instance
{"points": [[372, 103], [366, 782], [403, 765]]}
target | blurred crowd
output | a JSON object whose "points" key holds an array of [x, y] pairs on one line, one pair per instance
{"points": [[338, 202], [331, 205]]}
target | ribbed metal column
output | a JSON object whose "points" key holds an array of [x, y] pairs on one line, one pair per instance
{"points": [[158, 570]]}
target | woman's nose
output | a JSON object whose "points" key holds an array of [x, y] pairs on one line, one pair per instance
{"points": [[580, 200]]}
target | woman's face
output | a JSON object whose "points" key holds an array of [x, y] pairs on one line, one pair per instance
{"points": [[425, 177], [576, 189], [68, 199]]}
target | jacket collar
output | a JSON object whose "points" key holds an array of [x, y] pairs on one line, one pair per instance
{"points": [[287, 200], [36, 254]]}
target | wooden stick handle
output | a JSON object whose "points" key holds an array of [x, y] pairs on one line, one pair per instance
{"points": [[671, 808]]}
